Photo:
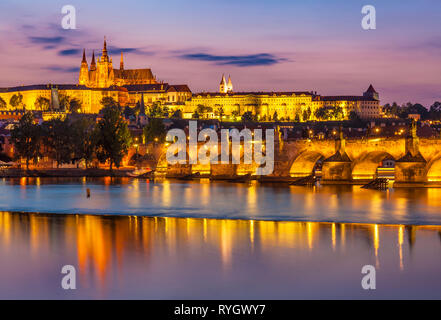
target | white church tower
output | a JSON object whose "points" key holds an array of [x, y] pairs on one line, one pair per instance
{"points": [[225, 87]]}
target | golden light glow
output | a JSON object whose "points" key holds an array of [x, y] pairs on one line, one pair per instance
{"points": [[400, 245], [376, 244], [100, 243], [333, 236]]}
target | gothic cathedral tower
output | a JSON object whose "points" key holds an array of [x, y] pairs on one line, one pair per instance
{"points": [[105, 69], [84, 71], [223, 85]]}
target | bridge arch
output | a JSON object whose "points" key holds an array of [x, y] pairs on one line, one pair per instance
{"points": [[305, 163], [433, 169], [366, 165]]}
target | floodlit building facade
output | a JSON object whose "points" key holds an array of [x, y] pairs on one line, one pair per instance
{"points": [[97, 81], [294, 105]]}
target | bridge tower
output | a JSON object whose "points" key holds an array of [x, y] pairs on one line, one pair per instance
{"points": [[338, 167], [411, 167]]}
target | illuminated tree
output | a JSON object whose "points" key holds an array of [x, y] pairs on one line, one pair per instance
{"points": [[85, 138], [435, 111], [114, 138], [195, 115], [248, 117], [306, 114], [337, 113], [322, 113], [16, 100], [177, 114], [156, 110], [74, 105], [155, 131], [219, 112], [235, 113], [26, 137], [64, 100], [109, 102], [57, 136], [42, 103], [3, 104]]}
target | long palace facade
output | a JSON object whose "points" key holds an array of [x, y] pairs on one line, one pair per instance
{"points": [[287, 105], [130, 86]]}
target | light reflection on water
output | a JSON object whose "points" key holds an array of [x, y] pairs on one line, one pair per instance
{"points": [[205, 199], [186, 258], [183, 240]]}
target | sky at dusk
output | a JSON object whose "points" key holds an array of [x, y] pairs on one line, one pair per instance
{"points": [[314, 45]]}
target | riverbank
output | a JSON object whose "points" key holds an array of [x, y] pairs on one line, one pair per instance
{"points": [[65, 173], [131, 173]]}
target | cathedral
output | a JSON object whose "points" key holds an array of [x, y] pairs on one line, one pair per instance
{"points": [[101, 73], [97, 81]]}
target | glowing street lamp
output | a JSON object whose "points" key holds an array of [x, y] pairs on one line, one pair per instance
{"points": [[136, 146]]}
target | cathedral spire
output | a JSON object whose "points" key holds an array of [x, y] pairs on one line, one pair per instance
{"points": [[121, 65], [105, 56], [105, 45], [84, 56], [84, 72], [93, 64]]}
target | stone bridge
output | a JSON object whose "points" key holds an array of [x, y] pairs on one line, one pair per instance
{"points": [[417, 161], [351, 161]]}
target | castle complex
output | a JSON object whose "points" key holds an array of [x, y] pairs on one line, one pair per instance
{"points": [[131, 86], [126, 86]]}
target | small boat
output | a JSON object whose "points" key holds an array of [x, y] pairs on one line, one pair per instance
{"points": [[192, 176], [141, 174], [305, 181], [241, 179]]}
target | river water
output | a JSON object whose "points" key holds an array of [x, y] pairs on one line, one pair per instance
{"points": [[205, 240]]}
